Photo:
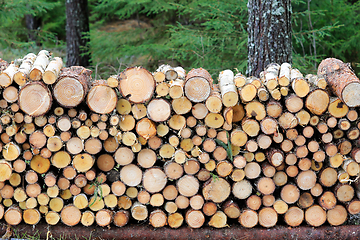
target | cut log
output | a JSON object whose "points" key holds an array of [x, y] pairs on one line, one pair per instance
{"points": [[337, 108], [242, 189], [13, 215], [139, 211], [198, 85], [294, 216], [154, 180], [7, 76], [317, 101], [336, 216], [131, 175], [194, 218], [306, 180], [70, 215], [218, 220], [157, 218], [158, 110], [137, 84], [248, 218], [5, 170], [315, 216], [35, 99], [267, 217], [175, 220], [101, 98], [104, 217], [228, 91], [146, 128], [188, 186], [341, 79], [41, 62], [121, 218], [213, 102], [52, 71], [290, 193], [255, 109], [216, 190]]}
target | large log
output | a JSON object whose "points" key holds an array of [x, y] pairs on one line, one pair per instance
{"points": [[72, 85], [137, 84], [342, 80], [35, 99]]}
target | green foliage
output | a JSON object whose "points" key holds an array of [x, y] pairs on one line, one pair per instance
{"points": [[325, 29], [227, 146], [207, 33], [98, 190]]}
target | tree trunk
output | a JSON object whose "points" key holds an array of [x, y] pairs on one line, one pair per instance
{"points": [[77, 25], [269, 28]]}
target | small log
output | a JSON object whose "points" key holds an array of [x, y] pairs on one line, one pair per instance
{"points": [[300, 86], [268, 217], [228, 91], [198, 85], [139, 211], [328, 177], [290, 193], [158, 110], [218, 220], [83, 162], [104, 217], [146, 128], [7, 76], [121, 218], [248, 92], [175, 220], [337, 108], [70, 215], [315, 216], [280, 206], [214, 103], [157, 218], [131, 175], [294, 103], [344, 192], [248, 218], [317, 101], [242, 189], [337, 216], [13, 215], [39, 164], [327, 200], [52, 71], [294, 216], [306, 180], [265, 185], [194, 218], [154, 180], [188, 186]]}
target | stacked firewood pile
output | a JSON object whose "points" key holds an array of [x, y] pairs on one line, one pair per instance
{"points": [[172, 148]]}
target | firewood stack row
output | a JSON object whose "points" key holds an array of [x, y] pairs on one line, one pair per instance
{"points": [[173, 148]]}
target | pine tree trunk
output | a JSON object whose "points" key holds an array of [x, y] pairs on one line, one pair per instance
{"points": [[269, 29], [77, 23]]}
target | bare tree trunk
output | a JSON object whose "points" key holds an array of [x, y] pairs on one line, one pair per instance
{"points": [[269, 28], [77, 26], [32, 23]]}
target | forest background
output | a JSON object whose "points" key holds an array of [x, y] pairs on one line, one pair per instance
{"points": [[192, 33]]}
